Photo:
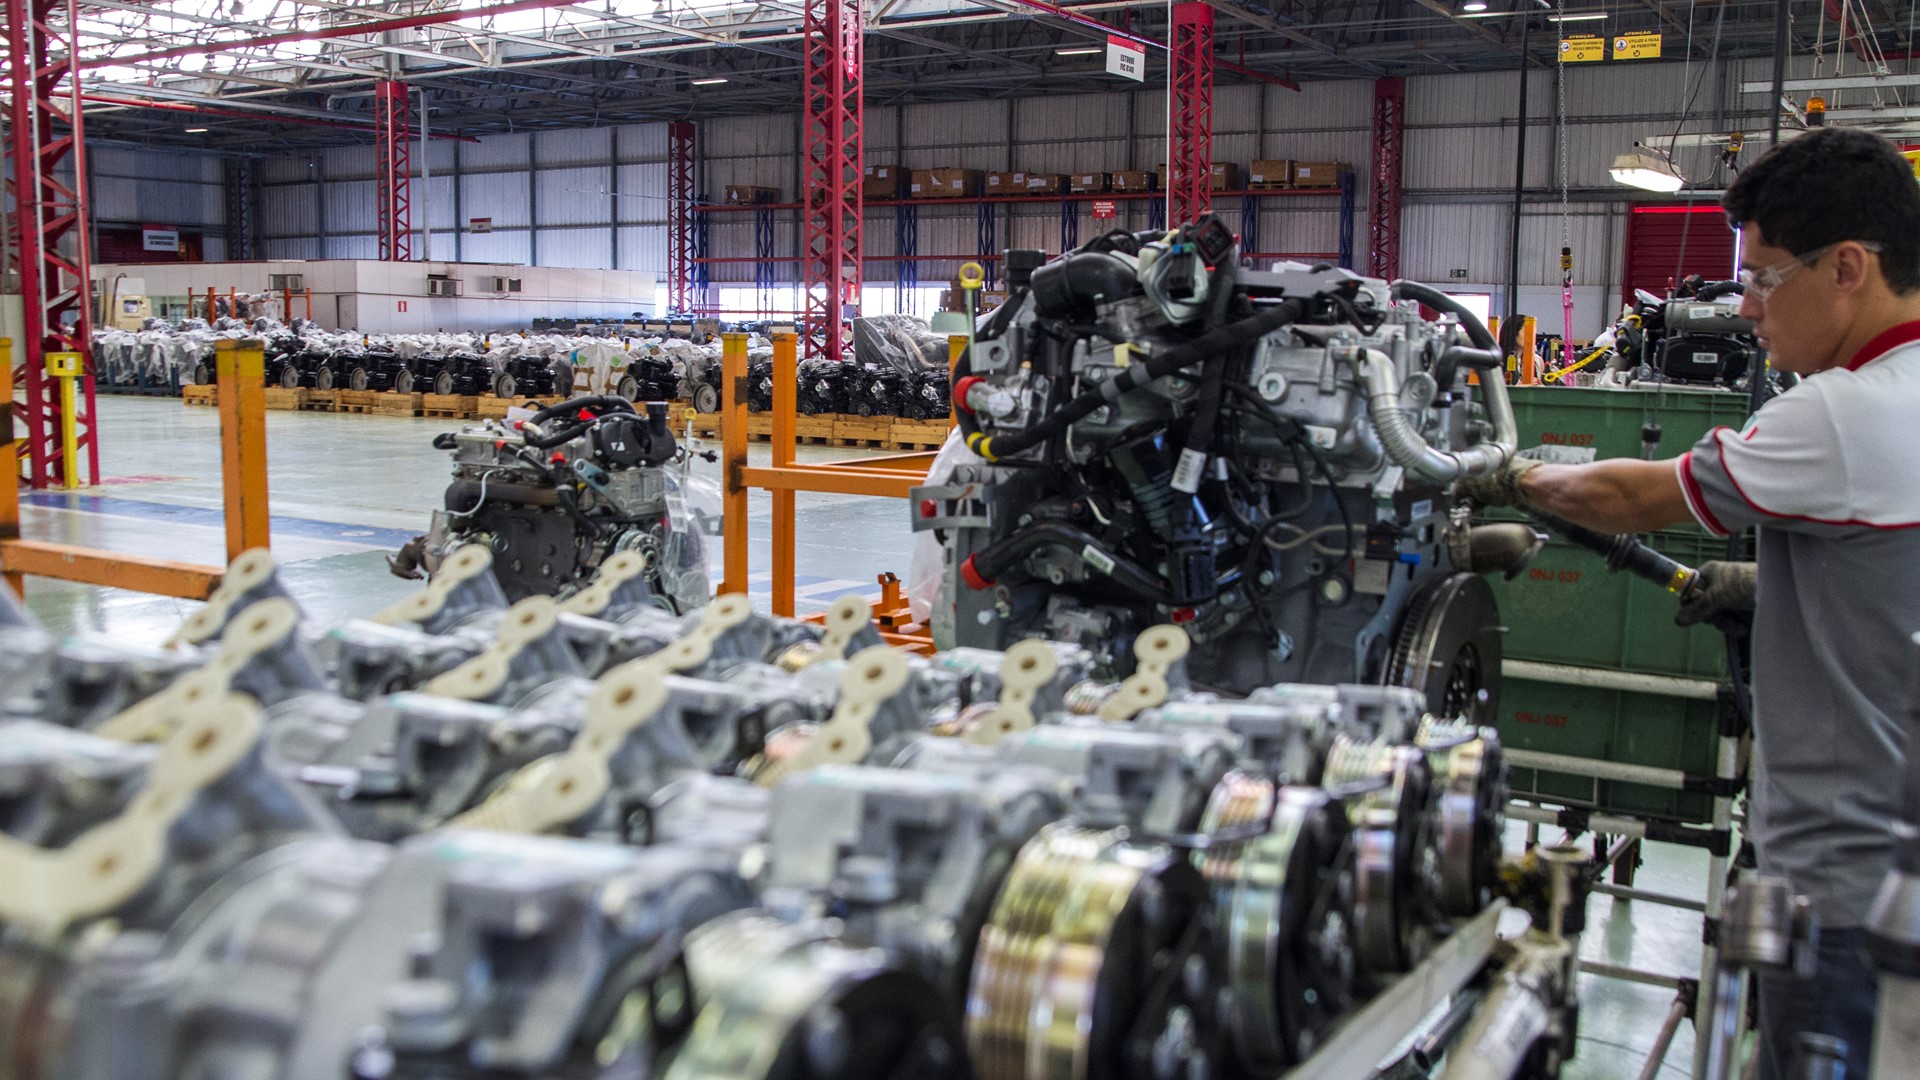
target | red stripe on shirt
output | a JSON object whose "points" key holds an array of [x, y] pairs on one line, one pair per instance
{"points": [[1888, 340], [1687, 470], [1696, 499]]}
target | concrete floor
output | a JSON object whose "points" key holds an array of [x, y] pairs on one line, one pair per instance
{"points": [[348, 489]]}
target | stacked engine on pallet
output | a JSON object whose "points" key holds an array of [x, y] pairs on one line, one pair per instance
{"points": [[899, 368], [166, 356], [591, 838]]}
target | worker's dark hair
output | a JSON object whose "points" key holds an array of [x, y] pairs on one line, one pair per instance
{"points": [[1831, 185]]}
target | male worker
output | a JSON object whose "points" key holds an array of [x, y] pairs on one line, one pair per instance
{"points": [[1830, 472]]}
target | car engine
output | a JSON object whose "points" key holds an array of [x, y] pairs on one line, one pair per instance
{"points": [[1154, 434], [1695, 336], [556, 492]]}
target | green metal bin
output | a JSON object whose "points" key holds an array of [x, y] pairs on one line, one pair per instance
{"points": [[1568, 609]]}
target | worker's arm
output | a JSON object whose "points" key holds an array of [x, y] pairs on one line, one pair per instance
{"points": [[1619, 495]]}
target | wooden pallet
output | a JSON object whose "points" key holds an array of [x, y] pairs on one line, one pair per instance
{"points": [[284, 400], [356, 401], [920, 434], [392, 404], [198, 395], [449, 406], [320, 401], [1271, 185], [863, 432]]}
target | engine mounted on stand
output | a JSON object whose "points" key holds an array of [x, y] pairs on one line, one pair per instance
{"points": [[1155, 434], [555, 494]]}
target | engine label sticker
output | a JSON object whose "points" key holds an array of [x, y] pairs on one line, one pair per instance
{"points": [[1097, 559]]}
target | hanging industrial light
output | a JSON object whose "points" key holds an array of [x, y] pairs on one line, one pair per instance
{"points": [[1647, 168]]}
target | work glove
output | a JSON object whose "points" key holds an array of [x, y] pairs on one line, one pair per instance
{"points": [[1722, 594], [1501, 487]]}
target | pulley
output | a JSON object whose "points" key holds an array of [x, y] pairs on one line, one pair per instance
{"points": [[1096, 962], [1397, 871], [1285, 900]]}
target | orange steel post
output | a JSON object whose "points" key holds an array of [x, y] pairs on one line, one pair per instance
{"points": [[956, 345], [9, 469], [733, 460], [240, 367], [1529, 357], [785, 379], [19, 558]]}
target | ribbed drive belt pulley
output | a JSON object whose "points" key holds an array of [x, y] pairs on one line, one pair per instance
{"points": [[783, 1000], [1397, 866], [1285, 901], [1096, 962], [1470, 811]]}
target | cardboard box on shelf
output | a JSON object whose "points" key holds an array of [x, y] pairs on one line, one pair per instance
{"points": [[1135, 180], [1318, 174], [944, 183], [747, 194], [1046, 183], [1270, 173], [1002, 182], [882, 182], [1090, 183]]}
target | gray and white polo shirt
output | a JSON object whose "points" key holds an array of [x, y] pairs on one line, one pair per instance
{"points": [[1830, 472]]}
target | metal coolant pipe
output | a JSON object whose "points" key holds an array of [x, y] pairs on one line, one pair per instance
{"points": [[1404, 444]]}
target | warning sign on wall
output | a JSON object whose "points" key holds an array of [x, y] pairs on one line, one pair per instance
{"points": [[1583, 49], [480, 224], [1103, 208]]}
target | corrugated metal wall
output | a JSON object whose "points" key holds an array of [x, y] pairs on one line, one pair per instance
{"points": [[596, 198]]}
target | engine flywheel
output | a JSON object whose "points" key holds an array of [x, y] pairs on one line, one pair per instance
{"points": [[1448, 647]]}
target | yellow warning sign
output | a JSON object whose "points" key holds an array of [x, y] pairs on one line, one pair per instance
{"points": [[1637, 46], [1913, 158], [1582, 49]]}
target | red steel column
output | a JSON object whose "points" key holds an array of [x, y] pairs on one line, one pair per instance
{"points": [[1389, 155], [834, 141], [49, 222], [1190, 113], [680, 200], [392, 117]]}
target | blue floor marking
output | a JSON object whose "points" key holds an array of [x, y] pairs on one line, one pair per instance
{"points": [[304, 528]]}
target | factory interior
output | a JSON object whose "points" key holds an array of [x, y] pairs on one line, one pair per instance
{"points": [[959, 539]]}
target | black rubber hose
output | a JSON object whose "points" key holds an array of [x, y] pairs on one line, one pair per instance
{"points": [[1207, 410], [603, 402], [1204, 347], [1075, 285], [1622, 552], [1426, 294], [993, 561]]}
